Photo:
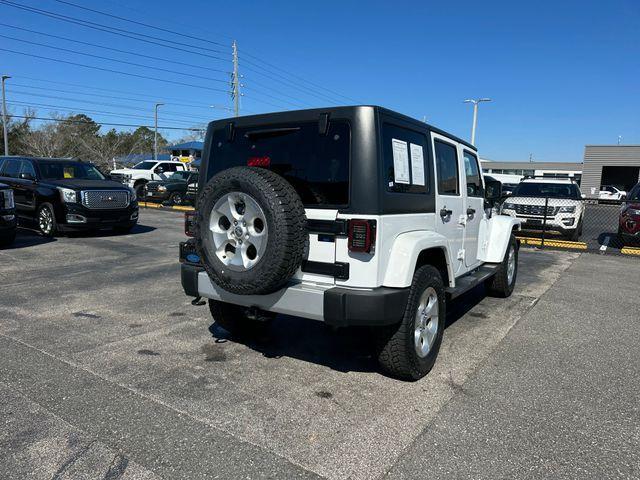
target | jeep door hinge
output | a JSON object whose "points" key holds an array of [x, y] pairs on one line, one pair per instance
{"points": [[461, 254]]}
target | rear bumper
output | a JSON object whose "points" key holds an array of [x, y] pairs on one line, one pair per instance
{"points": [[335, 306]]}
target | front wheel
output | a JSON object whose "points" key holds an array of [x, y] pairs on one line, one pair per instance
{"points": [[502, 283], [176, 198], [47, 220], [408, 350]]}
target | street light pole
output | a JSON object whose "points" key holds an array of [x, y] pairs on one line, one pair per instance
{"points": [[4, 117], [155, 133], [475, 116]]}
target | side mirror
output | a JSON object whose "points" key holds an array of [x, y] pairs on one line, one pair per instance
{"points": [[492, 190], [159, 170], [27, 176]]}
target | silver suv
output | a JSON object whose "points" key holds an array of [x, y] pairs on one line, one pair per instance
{"points": [[555, 204]]}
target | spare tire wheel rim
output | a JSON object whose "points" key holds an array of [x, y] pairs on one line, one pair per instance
{"points": [[238, 228]]}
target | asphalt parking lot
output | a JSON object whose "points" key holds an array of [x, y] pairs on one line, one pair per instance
{"points": [[108, 371]]}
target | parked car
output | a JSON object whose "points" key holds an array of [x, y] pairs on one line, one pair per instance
{"points": [[173, 190], [8, 219], [67, 195], [146, 171], [609, 192], [629, 221], [564, 206], [344, 215]]}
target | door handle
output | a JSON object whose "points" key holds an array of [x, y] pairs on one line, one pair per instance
{"points": [[471, 211], [446, 213]]}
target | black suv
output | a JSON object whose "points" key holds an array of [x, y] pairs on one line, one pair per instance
{"points": [[172, 190], [7, 216], [67, 195]]}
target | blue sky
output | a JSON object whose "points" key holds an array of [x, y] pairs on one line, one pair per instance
{"points": [[561, 74]]}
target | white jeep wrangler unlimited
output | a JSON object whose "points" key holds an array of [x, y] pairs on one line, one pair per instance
{"points": [[354, 216]]}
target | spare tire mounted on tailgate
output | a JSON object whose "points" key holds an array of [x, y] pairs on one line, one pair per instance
{"points": [[251, 230]]}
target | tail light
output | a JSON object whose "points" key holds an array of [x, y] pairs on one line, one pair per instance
{"points": [[190, 224], [259, 162], [362, 236]]}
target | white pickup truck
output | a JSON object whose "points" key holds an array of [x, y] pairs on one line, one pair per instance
{"points": [[353, 216], [147, 170]]}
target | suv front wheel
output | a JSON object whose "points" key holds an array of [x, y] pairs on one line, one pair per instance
{"points": [[47, 220], [408, 350]]}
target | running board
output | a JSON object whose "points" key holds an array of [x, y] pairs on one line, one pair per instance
{"points": [[466, 283]]}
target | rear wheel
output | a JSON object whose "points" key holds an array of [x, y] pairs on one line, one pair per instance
{"points": [[47, 220], [176, 198], [408, 350], [235, 319], [502, 283]]}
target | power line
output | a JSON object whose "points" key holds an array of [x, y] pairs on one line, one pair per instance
{"points": [[299, 77], [106, 123], [114, 71], [83, 23], [103, 104], [138, 23], [83, 110], [91, 55], [152, 97], [128, 52], [73, 19], [289, 84], [275, 98]]}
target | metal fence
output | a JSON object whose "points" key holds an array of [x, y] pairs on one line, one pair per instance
{"points": [[605, 226]]}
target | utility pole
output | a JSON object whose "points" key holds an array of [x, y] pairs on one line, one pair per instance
{"points": [[475, 116], [4, 117], [155, 133], [235, 81]]}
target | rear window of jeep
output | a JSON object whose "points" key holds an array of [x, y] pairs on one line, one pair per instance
{"points": [[316, 165]]}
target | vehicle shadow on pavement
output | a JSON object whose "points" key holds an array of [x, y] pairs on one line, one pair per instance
{"points": [[28, 238], [342, 349], [137, 230]]}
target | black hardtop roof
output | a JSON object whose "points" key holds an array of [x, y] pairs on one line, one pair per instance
{"points": [[297, 115]]}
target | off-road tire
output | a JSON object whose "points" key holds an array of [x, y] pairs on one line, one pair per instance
{"points": [[498, 285], [396, 345], [287, 238], [234, 320], [51, 232]]}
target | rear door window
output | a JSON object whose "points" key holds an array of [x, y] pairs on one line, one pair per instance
{"points": [[404, 152], [316, 164]]}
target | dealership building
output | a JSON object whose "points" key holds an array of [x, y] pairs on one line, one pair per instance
{"points": [[617, 165]]}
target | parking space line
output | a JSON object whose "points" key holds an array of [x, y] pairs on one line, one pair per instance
{"points": [[162, 207], [553, 243]]}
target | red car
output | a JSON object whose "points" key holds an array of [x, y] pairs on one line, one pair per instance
{"points": [[629, 223]]}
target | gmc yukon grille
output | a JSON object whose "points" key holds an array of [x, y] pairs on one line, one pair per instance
{"points": [[105, 199]]}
